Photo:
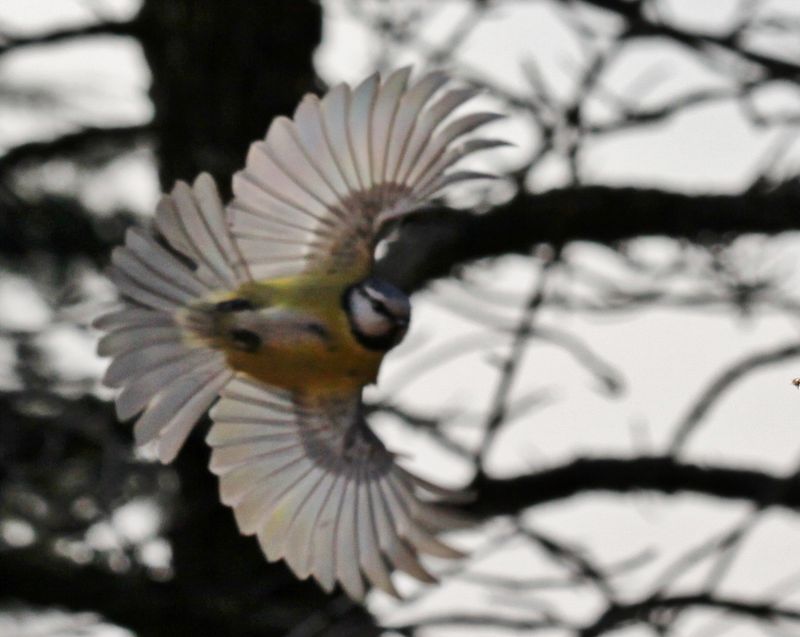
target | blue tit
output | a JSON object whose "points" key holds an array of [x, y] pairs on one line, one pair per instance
{"points": [[267, 309]]}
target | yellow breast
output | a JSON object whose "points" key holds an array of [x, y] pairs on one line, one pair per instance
{"points": [[327, 360]]}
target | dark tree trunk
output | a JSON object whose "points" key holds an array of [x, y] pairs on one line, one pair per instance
{"points": [[220, 72]]}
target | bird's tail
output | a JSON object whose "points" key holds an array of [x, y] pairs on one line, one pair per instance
{"points": [[165, 372]]}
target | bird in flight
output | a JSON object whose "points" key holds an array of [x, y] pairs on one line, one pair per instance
{"points": [[269, 307]]}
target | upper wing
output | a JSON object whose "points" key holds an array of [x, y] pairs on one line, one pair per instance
{"points": [[320, 490], [159, 371], [315, 192]]}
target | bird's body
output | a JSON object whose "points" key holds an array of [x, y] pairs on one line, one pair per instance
{"points": [[304, 340], [266, 311]]}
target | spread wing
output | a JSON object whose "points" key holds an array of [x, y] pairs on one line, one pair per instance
{"points": [[312, 197], [187, 255], [321, 491], [316, 191]]}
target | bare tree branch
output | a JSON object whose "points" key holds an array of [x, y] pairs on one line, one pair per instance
{"points": [[639, 25], [8, 44], [430, 246], [479, 620], [644, 611], [510, 366], [87, 141], [663, 474], [727, 378]]}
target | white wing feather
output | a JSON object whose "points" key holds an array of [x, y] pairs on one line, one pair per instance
{"points": [[307, 477], [346, 165], [320, 490], [172, 382]]}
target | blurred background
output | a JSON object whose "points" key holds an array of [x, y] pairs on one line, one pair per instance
{"points": [[603, 341]]}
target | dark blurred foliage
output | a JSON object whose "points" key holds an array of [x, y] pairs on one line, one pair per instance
{"points": [[220, 72]]}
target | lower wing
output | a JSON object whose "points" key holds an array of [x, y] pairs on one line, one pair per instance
{"points": [[321, 491]]}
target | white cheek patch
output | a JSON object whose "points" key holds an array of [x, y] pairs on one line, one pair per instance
{"points": [[368, 321], [374, 295]]}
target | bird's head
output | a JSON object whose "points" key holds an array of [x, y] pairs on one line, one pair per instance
{"points": [[378, 312]]}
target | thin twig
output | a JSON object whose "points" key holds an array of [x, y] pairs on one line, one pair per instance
{"points": [[722, 383], [511, 365]]}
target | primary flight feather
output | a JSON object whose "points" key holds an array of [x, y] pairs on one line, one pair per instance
{"points": [[268, 306]]}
